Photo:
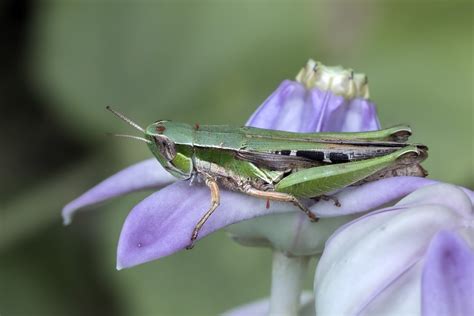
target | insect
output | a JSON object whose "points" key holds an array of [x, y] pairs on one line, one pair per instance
{"points": [[277, 165]]}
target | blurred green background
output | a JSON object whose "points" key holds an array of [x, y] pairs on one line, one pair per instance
{"points": [[209, 62]]}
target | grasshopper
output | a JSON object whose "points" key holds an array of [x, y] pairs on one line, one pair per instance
{"points": [[277, 165]]}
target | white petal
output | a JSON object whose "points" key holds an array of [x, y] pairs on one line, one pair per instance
{"points": [[360, 263]]}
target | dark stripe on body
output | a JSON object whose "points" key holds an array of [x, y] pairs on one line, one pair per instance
{"points": [[338, 157], [313, 155]]}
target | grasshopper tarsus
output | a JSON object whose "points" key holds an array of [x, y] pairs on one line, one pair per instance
{"points": [[193, 238], [312, 217]]}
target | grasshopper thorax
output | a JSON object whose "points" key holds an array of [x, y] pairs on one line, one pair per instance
{"points": [[166, 140]]}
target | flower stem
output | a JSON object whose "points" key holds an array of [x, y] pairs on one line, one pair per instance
{"points": [[287, 281]]}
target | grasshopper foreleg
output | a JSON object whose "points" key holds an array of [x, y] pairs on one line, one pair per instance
{"points": [[215, 201], [282, 197]]}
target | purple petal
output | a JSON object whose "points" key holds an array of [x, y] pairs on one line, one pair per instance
{"points": [[292, 107], [286, 109], [448, 277], [376, 194], [163, 222], [361, 115], [144, 175], [337, 114]]}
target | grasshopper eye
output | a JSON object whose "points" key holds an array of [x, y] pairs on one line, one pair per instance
{"points": [[166, 147], [160, 129]]}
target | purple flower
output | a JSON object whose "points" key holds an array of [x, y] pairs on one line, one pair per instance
{"points": [[414, 258], [323, 99]]}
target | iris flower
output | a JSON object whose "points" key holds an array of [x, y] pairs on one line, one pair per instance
{"points": [[321, 99]]}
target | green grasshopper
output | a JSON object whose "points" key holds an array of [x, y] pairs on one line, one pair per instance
{"points": [[278, 165]]}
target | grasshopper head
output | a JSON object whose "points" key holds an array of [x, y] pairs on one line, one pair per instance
{"points": [[162, 145], [162, 137]]}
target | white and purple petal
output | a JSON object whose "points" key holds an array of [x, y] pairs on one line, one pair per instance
{"points": [[448, 277], [373, 265]]}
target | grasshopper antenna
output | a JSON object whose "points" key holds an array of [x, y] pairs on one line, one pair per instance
{"points": [[131, 136], [125, 119]]}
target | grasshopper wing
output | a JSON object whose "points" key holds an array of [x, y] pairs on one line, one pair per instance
{"points": [[321, 180]]}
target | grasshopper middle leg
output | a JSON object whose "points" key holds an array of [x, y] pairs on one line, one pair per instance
{"points": [[282, 197], [215, 201]]}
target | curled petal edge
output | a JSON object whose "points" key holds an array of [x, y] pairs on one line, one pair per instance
{"points": [[144, 175], [373, 195]]}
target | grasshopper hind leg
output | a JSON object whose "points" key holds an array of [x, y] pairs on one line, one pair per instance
{"points": [[282, 197]]}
